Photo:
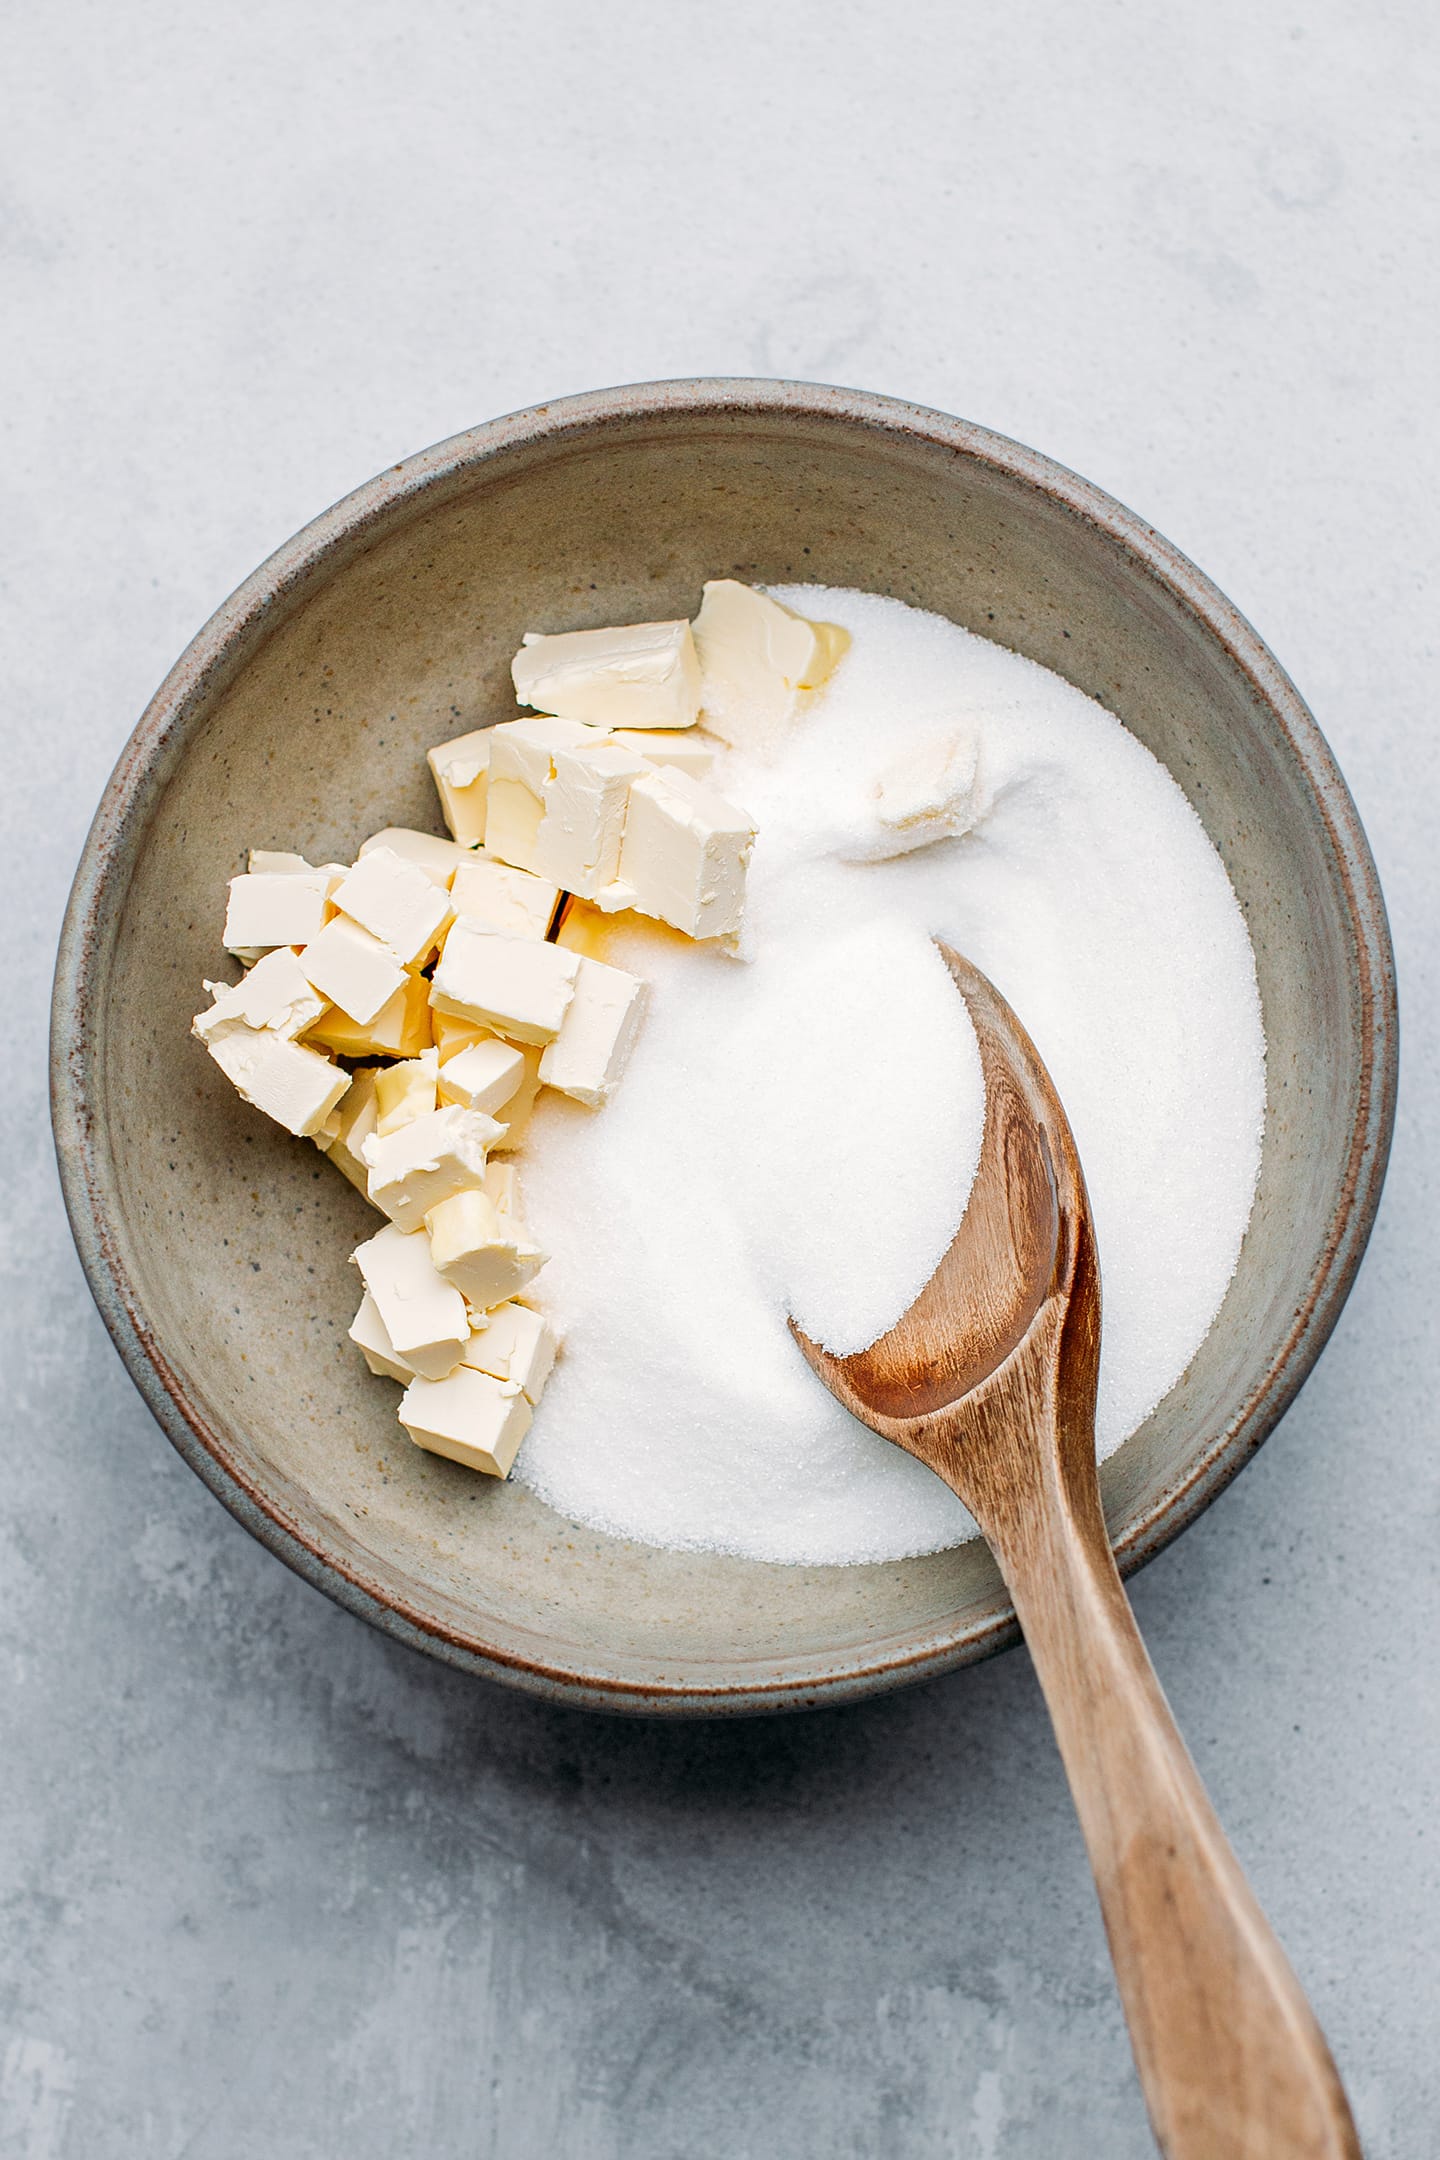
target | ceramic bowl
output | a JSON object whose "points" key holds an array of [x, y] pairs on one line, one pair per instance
{"points": [[217, 1247]]}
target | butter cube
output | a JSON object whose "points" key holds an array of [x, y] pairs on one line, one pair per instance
{"points": [[588, 1055], [406, 1091], [931, 793], [460, 769], [276, 862], [578, 841], [684, 858], [347, 1128], [643, 675], [439, 859], [558, 792], [518, 986], [517, 1110], [488, 1257], [500, 1187], [503, 898], [268, 908], [371, 1337], [513, 1343], [483, 1076], [297, 1087], [424, 1316], [619, 938], [452, 1035], [424, 1162], [691, 753], [757, 660], [275, 994], [521, 768], [468, 1417], [401, 1028], [351, 967], [396, 902]]}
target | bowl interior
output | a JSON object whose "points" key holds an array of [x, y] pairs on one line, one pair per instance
{"points": [[300, 721]]}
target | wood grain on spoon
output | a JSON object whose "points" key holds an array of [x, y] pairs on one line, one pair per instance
{"points": [[990, 1379]]}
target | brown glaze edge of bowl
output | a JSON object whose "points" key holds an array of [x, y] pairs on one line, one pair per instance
{"points": [[140, 773]]}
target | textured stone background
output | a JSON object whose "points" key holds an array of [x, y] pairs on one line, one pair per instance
{"points": [[275, 1887]]}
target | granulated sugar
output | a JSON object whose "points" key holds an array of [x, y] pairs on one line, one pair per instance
{"points": [[798, 1130]]}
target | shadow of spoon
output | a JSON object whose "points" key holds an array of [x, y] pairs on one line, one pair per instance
{"points": [[990, 1380]]}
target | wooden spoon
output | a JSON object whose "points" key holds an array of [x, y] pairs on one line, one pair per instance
{"points": [[990, 1379]]}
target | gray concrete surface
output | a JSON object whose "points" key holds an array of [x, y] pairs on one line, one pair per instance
{"points": [[275, 1887]]}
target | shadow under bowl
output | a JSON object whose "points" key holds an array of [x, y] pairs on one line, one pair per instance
{"points": [[217, 1247]]}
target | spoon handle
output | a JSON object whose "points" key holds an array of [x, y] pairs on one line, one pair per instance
{"points": [[1232, 2061]]}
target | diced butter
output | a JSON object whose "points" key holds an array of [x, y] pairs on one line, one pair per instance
{"points": [[518, 986], [468, 1417], [405, 1092], [578, 841], [424, 1162], [267, 908], [484, 1075], [371, 1338], [460, 769], [558, 794], [517, 1111], [757, 659], [348, 1127], [931, 793], [588, 1056], [513, 1343], [397, 902], [501, 1180], [684, 858], [297, 1087], [439, 859], [401, 1028], [639, 943], [504, 898], [351, 967], [691, 753], [642, 675], [521, 765], [275, 994], [452, 1035], [275, 862], [489, 1257], [423, 1315]]}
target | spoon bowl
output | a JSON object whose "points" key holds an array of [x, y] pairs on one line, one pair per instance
{"points": [[1017, 1246], [990, 1380]]}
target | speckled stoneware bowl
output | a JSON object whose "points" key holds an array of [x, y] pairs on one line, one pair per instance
{"points": [[217, 1247]]}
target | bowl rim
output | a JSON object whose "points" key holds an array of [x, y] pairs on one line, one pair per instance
{"points": [[103, 876]]}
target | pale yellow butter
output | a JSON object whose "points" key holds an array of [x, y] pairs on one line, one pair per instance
{"points": [[488, 1257], [423, 1162], [597, 1034], [639, 675], [351, 967], [469, 1417], [296, 1087], [406, 1091], [757, 660], [520, 987], [513, 1343], [684, 858], [460, 769], [424, 1316], [397, 902], [501, 897]]}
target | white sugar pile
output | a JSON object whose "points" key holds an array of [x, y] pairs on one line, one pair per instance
{"points": [[798, 1132]]}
